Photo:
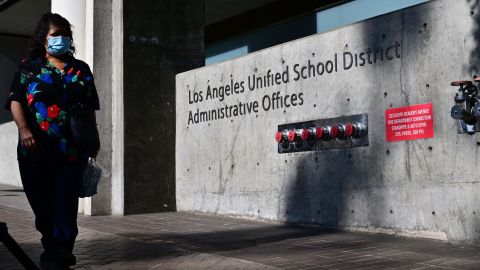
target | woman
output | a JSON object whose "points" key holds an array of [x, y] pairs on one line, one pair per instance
{"points": [[47, 85]]}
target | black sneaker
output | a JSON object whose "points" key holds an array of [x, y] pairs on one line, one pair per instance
{"points": [[65, 259], [46, 256], [47, 261]]}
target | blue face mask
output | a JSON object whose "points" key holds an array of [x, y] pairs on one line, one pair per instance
{"points": [[58, 45]]}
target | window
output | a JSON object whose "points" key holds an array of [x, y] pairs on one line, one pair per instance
{"points": [[243, 35]]}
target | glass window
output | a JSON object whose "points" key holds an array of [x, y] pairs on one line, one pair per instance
{"points": [[322, 21]]}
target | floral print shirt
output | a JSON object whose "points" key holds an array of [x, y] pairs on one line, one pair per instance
{"points": [[46, 94]]}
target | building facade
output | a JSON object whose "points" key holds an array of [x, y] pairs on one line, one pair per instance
{"points": [[193, 94]]}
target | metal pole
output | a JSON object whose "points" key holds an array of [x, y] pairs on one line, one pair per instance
{"points": [[15, 249]]}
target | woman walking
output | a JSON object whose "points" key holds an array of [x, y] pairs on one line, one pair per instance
{"points": [[49, 84]]}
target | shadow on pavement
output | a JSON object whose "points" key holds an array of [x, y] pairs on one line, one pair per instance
{"points": [[236, 239]]}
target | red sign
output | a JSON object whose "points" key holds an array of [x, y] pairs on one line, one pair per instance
{"points": [[409, 123]]}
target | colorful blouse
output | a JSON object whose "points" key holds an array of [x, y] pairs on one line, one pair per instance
{"points": [[46, 94]]}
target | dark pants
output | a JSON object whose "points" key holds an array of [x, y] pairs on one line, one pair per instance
{"points": [[52, 191]]}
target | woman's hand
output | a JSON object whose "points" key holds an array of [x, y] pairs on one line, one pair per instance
{"points": [[26, 137]]}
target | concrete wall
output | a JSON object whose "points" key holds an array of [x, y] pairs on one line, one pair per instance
{"points": [[426, 188], [162, 38], [12, 50]]}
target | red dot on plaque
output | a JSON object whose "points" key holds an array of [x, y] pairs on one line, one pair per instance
{"points": [[334, 131], [292, 136], [279, 136]]}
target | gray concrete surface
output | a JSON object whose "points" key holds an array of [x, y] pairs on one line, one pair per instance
{"points": [[149, 94], [12, 50], [184, 241], [424, 188]]}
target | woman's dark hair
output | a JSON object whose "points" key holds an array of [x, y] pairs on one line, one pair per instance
{"points": [[37, 43]]}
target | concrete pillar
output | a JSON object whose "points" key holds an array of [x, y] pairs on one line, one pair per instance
{"points": [[97, 29], [108, 65], [118, 109], [162, 38]]}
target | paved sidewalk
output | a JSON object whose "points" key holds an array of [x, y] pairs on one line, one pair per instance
{"points": [[188, 241]]}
